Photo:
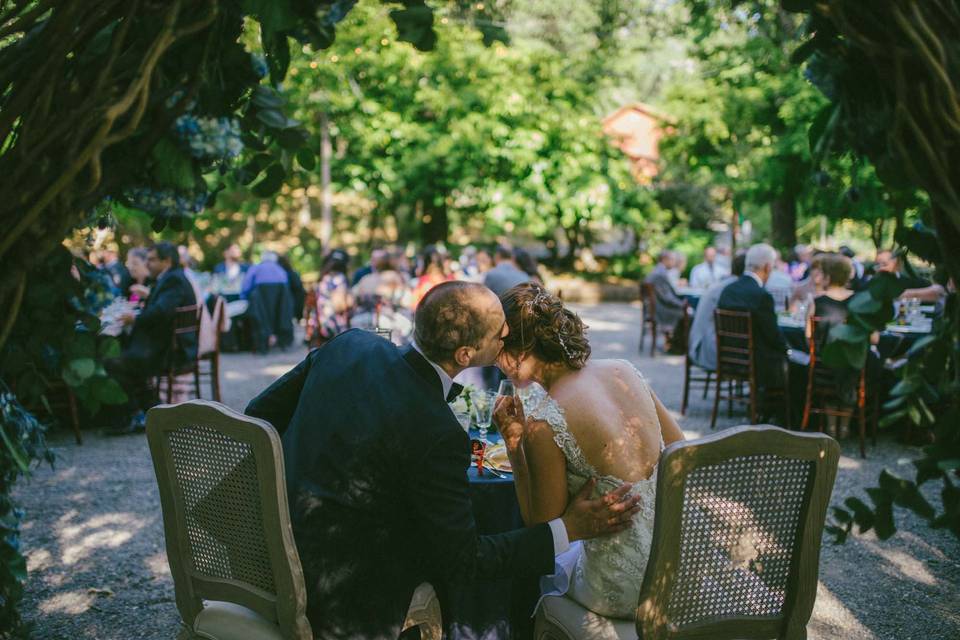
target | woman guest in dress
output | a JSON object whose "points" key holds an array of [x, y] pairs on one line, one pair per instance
{"points": [[433, 270], [581, 420], [333, 297]]}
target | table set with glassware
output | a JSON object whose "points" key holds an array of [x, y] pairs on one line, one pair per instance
{"points": [[912, 321], [482, 610]]}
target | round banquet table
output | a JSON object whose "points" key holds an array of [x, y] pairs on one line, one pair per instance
{"points": [[482, 610], [893, 344]]}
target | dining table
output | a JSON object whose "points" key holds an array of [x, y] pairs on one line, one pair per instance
{"points": [[483, 610], [895, 340], [691, 295]]}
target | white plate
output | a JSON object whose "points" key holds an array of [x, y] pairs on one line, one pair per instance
{"points": [[896, 328]]}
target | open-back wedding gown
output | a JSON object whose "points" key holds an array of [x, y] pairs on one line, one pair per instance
{"points": [[605, 575]]}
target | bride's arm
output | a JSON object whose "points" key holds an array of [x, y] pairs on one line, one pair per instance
{"points": [[668, 426], [544, 478], [539, 468]]}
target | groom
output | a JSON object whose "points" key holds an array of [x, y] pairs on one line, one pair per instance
{"points": [[376, 470]]}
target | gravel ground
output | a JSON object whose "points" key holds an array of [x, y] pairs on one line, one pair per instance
{"points": [[93, 533]]}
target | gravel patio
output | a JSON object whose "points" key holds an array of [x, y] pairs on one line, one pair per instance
{"points": [[93, 533]]}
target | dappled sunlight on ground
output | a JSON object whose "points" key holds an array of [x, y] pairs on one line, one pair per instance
{"points": [[69, 602], [93, 533]]}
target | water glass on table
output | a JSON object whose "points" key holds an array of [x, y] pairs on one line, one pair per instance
{"points": [[483, 404]]}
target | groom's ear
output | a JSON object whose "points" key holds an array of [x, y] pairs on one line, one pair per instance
{"points": [[463, 356]]}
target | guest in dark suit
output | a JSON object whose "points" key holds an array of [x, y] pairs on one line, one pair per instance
{"points": [[376, 470], [148, 350], [747, 294]]}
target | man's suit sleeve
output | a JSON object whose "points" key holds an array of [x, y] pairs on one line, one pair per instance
{"points": [[665, 293], [766, 324], [277, 403], [440, 503], [161, 309]]}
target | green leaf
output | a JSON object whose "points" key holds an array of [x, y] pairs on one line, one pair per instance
{"points": [[907, 386], [82, 345], [267, 98], [920, 345], [271, 182], [292, 139], [82, 368], [272, 118], [949, 464], [16, 452], [841, 515], [274, 15], [307, 159], [864, 303], [108, 348], [108, 391], [172, 166]]}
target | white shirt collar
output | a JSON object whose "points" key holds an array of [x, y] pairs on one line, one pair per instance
{"points": [[755, 277], [445, 380]]}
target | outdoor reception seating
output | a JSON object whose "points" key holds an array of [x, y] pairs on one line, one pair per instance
{"points": [[736, 544], [236, 570]]}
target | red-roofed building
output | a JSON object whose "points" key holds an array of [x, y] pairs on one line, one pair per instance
{"points": [[635, 129]]}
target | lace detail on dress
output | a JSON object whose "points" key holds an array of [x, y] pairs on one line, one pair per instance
{"points": [[537, 404], [607, 575]]}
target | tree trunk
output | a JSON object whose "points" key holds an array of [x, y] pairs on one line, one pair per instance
{"points": [[434, 225], [326, 196], [783, 221]]}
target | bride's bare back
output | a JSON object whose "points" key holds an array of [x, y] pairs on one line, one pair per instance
{"points": [[615, 418]]}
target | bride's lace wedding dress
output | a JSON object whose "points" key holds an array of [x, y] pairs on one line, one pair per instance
{"points": [[605, 575]]}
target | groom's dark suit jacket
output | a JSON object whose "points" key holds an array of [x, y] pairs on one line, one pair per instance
{"points": [[376, 477]]}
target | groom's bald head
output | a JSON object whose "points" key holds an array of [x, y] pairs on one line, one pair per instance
{"points": [[454, 315]]}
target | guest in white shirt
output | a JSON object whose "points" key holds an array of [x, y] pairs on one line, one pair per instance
{"points": [[708, 272]]}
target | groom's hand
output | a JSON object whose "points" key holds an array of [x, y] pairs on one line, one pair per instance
{"points": [[588, 517]]}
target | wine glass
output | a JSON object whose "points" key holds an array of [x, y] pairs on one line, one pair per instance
{"points": [[507, 388], [483, 404]]}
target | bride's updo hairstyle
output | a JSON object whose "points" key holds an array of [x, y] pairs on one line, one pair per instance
{"points": [[540, 324]]}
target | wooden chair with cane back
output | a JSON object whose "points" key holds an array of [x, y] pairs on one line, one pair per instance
{"points": [[827, 395], [736, 543], [229, 540]]}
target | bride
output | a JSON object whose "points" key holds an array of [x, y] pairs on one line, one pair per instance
{"points": [[580, 420]]}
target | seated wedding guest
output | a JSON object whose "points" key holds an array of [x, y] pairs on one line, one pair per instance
{"points": [[136, 263], [375, 256], [676, 271], [187, 264], [505, 273], [384, 283], [916, 287], [267, 287], [432, 271], [780, 285], [333, 298], [669, 307], [580, 419], [702, 342], [708, 272], [800, 262], [747, 294], [228, 275], [297, 292], [859, 271], [148, 351], [528, 264], [119, 275], [376, 467]]}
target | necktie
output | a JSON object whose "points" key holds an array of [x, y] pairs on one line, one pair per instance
{"points": [[455, 390]]}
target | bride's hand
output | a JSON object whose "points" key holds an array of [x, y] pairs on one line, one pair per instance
{"points": [[509, 418]]}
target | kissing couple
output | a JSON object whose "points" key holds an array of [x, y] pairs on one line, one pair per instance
{"points": [[376, 462]]}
